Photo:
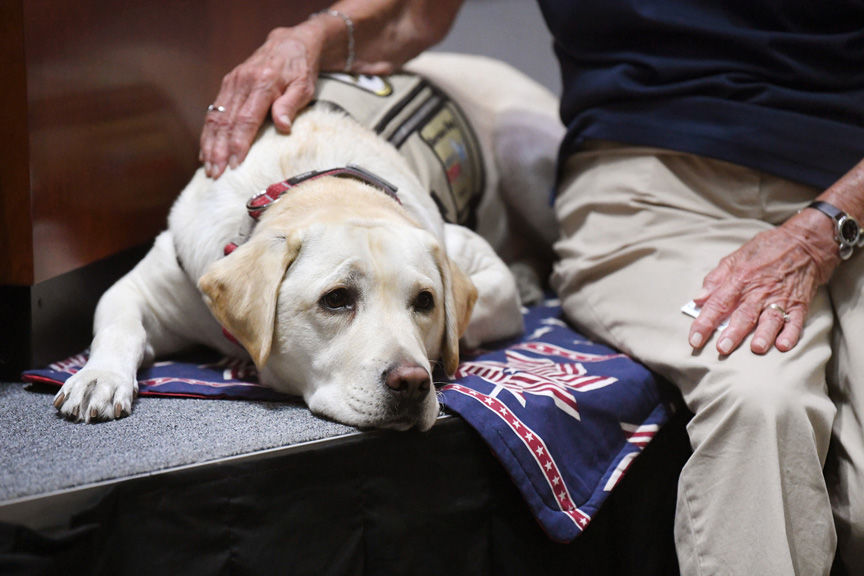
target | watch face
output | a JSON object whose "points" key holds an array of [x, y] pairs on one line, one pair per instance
{"points": [[849, 230]]}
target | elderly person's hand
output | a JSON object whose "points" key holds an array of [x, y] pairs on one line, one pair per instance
{"points": [[279, 76], [766, 286], [361, 36]]}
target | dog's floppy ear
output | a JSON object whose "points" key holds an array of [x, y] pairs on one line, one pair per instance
{"points": [[460, 294], [241, 290]]}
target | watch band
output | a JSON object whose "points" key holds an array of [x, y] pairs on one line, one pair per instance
{"points": [[847, 231]]}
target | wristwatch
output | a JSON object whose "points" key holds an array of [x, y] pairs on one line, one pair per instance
{"points": [[847, 231]]}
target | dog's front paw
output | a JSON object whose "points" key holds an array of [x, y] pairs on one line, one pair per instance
{"points": [[94, 395]]}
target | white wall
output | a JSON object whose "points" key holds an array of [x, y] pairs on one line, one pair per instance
{"points": [[512, 30]]}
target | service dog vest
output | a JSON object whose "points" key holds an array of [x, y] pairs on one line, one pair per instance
{"points": [[428, 129]]}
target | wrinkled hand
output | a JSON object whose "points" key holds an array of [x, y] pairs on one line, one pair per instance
{"points": [[782, 266], [278, 78]]}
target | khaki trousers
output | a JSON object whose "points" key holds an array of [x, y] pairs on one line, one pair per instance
{"points": [[640, 229]]}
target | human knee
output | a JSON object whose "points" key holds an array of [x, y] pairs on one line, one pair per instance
{"points": [[778, 405]]}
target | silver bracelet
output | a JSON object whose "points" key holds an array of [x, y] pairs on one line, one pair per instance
{"points": [[349, 24]]}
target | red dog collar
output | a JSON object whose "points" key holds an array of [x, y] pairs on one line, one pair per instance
{"points": [[261, 201]]}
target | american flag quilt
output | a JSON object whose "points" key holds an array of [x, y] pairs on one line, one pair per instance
{"points": [[565, 416]]}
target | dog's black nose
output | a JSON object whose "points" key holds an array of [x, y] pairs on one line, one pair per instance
{"points": [[408, 380]]}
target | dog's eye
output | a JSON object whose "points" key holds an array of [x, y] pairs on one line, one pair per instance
{"points": [[424, 302], [339, 299]]}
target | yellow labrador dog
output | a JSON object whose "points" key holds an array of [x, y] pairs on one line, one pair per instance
{"points": [[342, 281]]}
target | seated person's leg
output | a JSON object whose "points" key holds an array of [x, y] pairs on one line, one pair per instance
{"points": [[641, 228], [845, 468]]}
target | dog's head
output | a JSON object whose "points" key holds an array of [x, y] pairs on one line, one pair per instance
{"points": [[340, 297]]}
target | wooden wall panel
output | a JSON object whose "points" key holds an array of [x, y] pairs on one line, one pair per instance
{"points": [[16, 240], [116, 92]]}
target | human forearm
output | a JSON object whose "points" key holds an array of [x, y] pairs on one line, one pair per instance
{"points": [[817, 229], [387, 33]]}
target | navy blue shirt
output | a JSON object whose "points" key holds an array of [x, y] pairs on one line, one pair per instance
{"points": [[776, 85]]}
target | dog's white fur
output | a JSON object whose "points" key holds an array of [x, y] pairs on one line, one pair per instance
{"points": [[341, 294]]}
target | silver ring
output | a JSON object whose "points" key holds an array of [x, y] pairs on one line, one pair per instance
{"points": [[215, 108], [778, 308]]}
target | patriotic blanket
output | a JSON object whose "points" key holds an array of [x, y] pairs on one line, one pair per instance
{"points": [[565, 416]]}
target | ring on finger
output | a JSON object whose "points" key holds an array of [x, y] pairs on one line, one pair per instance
{"points": [[778, 308], [215, 108]]}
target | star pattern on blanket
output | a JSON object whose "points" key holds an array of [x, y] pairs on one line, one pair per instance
{"points": [[543, 460], [522, 375]]}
